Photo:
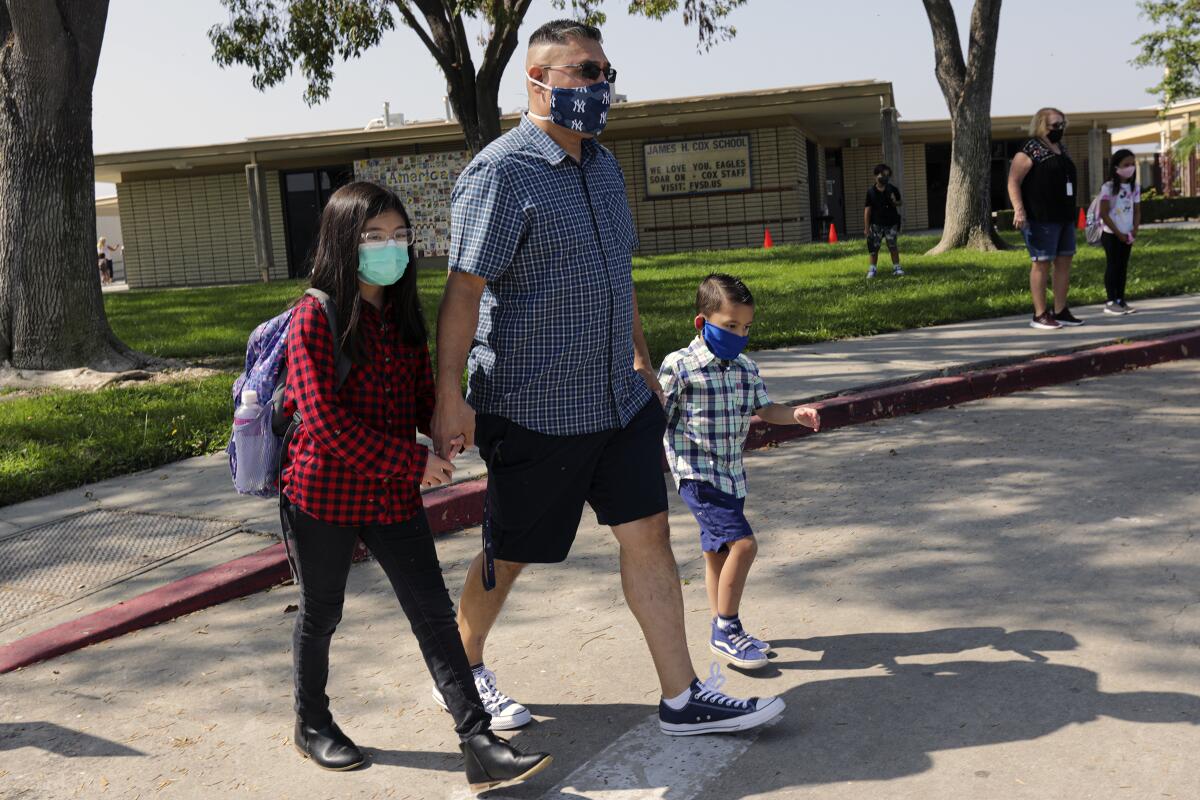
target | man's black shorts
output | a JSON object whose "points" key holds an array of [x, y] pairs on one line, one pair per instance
{"points": [[537, 484]]}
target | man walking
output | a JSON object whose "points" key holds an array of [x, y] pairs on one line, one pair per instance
{"points": [[540, 307]]}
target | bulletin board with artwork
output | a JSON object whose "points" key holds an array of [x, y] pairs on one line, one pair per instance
{"points": [[424, 182]]}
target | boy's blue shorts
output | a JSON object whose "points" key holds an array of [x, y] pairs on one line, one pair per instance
{"points": [[722, 516]]}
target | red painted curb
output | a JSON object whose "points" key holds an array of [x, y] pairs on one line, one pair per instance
{"points": [[908, 398], [461, 505]]}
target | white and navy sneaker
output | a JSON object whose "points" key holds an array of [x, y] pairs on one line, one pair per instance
{"points": [[759, 643], [872, 272], [899, 273], [507, 713], [709, 711], [733, 645]]}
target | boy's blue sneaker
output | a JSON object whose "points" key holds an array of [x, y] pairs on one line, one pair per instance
{"points": [[709, 711], [736, 628], [736, 647]]}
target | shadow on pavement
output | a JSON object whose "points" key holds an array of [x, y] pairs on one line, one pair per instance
{"points": [[61, 741], [881, 727]]}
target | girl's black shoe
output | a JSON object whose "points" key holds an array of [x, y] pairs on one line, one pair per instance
{"points": [[328, 747], [492, 762]]}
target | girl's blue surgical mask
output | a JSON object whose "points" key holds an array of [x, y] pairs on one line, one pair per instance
{"points": [[578, 108], [382, 264], [723, 343]]}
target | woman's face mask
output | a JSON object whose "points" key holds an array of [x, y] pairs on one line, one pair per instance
{"points": [[382, 264], [1125, 173]]}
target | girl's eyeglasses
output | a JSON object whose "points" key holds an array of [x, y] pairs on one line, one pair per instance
{"points": [[401, 236]]}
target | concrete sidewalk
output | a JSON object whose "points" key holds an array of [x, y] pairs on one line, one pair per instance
{"points": [[131, 534], [998, 602], [128, 535]]}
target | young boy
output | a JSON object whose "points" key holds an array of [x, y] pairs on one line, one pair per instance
{"points": [[881, 219], [711, 389]]}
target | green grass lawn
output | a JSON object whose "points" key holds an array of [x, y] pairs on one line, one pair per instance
{"points": [[806, 293]]}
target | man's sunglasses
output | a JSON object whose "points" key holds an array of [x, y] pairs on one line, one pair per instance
{"points": [[588, 70]]}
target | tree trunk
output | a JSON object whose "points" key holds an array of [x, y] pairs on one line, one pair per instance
{"points": [[967, 87], [51, 308], [969, 193], [474, 97]]}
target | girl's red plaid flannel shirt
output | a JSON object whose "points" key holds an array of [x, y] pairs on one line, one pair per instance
{"points": [[354, 459]]}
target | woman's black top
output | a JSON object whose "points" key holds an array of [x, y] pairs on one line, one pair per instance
{"points": [[1050, 191]]}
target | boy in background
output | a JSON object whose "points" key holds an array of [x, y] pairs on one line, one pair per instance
{"points": [[881, 219], [711, 390]]}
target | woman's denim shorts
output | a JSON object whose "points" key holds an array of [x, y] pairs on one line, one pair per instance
{"points": [[1048, 240]]}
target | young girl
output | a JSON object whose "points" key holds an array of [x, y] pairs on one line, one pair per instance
{"points": [[354, 469], [1121, 211]]}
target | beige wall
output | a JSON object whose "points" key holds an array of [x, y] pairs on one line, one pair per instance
{"points": [[858, 166], [779, 199], [195, 231]]}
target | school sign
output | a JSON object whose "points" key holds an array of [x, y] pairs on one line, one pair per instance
{"points": [[697, 166]]}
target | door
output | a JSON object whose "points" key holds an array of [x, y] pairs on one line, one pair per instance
{"points": [[834, 193], [816, 209], [937, 182], [305, 193]]}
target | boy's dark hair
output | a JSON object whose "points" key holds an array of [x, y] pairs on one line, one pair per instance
{"points": [[719, 287], [881, 168], [562, 31]]}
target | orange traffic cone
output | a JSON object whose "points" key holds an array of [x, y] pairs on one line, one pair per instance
{"points": [[832, 233], [767, 242], [1082, 223]]}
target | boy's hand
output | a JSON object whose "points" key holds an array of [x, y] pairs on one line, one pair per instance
{"points": [[651, 379], [807, 416]]}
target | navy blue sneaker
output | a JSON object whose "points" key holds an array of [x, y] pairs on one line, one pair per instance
{"points": [[709, 711], [733, 645], [759, 643]]}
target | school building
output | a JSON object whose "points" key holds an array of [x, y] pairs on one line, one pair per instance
{"points": [[1153, 142], [707, 172]]}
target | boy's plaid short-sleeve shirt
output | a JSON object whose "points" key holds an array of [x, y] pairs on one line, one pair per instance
{"points": [[554, 240], [709, 405]]}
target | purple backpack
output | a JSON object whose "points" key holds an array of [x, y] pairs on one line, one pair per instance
{"points": [[266, 373]]}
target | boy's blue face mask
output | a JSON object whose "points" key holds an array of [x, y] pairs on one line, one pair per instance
{"points": [[382, 264], [723, 343]]}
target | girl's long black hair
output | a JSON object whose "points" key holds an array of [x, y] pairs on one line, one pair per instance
{"points": [[335, 265], [1115, 161]]}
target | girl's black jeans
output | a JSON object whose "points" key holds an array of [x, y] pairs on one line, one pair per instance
{"points": [[321, 557]]}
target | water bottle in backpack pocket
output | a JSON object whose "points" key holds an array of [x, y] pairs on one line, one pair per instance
{"points": [[256, 446], [259, 425]]}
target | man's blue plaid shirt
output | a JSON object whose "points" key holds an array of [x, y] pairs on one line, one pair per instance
{"points": [[554, 240]]}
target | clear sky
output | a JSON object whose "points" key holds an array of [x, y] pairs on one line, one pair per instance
{"points": [[158, 86]]}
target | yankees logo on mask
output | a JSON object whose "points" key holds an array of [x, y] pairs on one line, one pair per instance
{"points": [[580, 108]]}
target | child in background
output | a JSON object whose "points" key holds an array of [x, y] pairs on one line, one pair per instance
{"points": [[1121, 211], [881, 219], [711, 389]]}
